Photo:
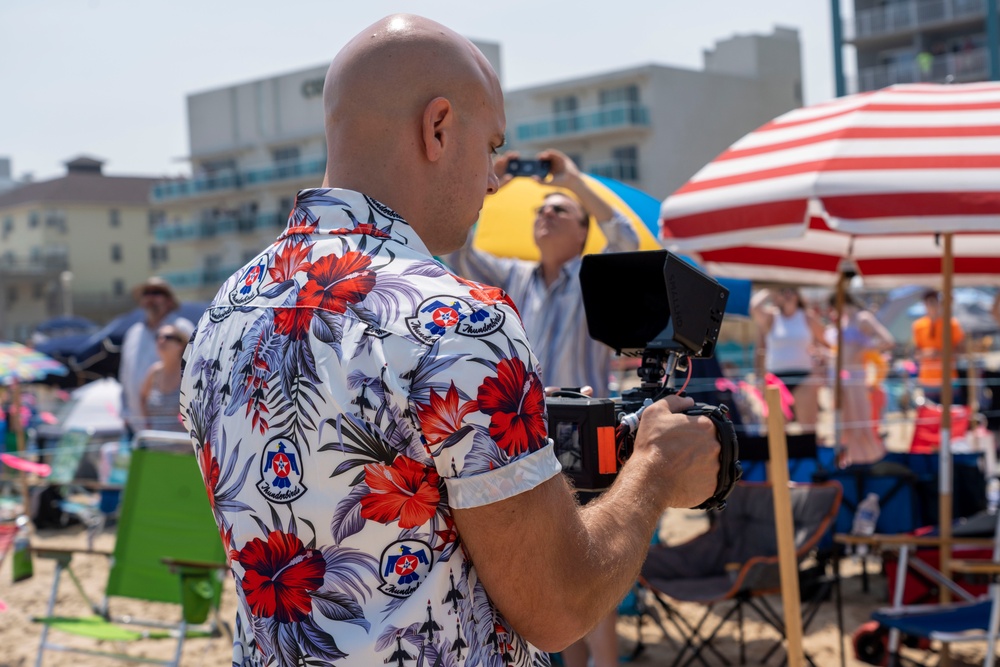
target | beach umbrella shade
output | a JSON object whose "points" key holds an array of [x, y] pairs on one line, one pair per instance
{"points": [[506, 224], [904, 182], [19, 364]]}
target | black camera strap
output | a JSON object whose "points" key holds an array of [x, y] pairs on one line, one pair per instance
{"points": [[730, 470]]}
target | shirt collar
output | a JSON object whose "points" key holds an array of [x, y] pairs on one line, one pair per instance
{"points": [[566, 271], [335, 211]]}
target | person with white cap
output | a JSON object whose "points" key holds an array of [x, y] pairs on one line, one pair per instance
{"points": [[138, 352]]}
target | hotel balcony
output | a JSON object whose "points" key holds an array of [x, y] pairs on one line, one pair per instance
{"points": [[583, 122], [191, 230], [961, 67], [899, 18], [13, 265], [207, 276], [234, 179]]}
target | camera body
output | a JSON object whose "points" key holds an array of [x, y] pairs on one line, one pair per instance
{"points": [[522, 167], [655, 306]]}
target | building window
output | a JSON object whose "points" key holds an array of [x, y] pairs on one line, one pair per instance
{"points": [[157, 255], [564, 109], [115, 218], [624, 164], [285, 154], [34, 219], [213, 167], [621, 96], [118, 287], [8, 226], [38, 291], [155, 219], [116, 252], [577, 160], [12, 294], [56, 220]]}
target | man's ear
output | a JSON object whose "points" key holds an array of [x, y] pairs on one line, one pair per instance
{"points": [[435, 127]]}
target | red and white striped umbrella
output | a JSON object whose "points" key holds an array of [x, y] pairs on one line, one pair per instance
{"points": [[872, 177], [876, 178]]}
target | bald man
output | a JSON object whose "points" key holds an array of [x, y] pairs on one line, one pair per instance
{"points": [[371, 427]]}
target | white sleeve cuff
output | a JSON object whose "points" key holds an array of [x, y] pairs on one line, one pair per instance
{"points": [[517, 477]]}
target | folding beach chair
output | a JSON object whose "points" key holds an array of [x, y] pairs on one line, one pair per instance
{"points": [[167, 550], [736, 561], [969, 620]]}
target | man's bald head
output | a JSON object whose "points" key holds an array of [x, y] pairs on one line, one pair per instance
{"points": [[396, 98]]}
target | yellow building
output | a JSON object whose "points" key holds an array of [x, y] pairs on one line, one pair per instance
{"points": [[74, 245]]}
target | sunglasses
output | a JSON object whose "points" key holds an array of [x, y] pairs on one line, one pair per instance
{"points": [[174, 337], [558, 209]]}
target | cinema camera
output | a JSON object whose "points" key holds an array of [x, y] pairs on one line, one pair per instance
{"points": [[656, 306]]}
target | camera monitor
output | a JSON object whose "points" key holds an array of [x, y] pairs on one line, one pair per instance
{"points": [[651, 300]]}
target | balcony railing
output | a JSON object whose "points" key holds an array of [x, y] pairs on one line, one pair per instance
{"points": [[620, 171], [584, 121], [232, 179], [207, 276], [13, 265], [964, 66], [190, 230], [898, 17]]}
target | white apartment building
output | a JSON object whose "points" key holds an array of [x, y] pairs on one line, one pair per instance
{"points": [[254, 145], [73, 244], [653, 126]]}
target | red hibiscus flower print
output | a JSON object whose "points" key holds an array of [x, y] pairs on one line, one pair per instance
{"points": [[334, 282], [364, 228], [514, 400], [289, 261], [292, 322], [280, 574], [406, 490], [210, 472], [443, 416], [486, 294]]}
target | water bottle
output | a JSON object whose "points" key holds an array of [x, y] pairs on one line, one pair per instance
{"points": [[21, 560], [865, 519]]}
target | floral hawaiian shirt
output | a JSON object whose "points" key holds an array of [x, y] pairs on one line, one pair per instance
{"points": [[344, 392]]}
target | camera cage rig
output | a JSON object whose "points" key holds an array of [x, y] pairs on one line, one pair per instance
{"points": [[667, 313]]}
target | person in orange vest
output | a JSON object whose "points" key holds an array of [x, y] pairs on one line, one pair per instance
{"points": [[928, 340]]}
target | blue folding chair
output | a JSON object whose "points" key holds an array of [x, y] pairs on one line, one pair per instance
{"points": [[970, 620]]}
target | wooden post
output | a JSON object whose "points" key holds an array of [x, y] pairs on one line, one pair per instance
{"points": [[944, 455], [788, 563], [838, 379]]}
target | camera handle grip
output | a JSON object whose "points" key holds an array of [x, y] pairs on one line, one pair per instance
{"points": [[730, 469]]}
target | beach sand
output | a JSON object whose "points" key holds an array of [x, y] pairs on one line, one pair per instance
{"points": [[20, 637]]}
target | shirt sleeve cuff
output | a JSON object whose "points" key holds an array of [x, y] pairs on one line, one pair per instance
{"points": [[517, 477]]}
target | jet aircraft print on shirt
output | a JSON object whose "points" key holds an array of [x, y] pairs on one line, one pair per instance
{"points": [[344, 392]]}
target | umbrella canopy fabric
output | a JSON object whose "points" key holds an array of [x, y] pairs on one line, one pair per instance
{"points": [[19, 363], [506, 223], [918, 161], [872, 177]]}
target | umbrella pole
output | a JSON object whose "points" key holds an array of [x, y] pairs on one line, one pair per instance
{"points": [[838, 381], [944, 456]]}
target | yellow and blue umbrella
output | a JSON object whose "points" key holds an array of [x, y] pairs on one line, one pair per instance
{"points": [[506, 224]]}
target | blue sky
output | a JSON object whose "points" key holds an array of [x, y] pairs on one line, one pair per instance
{"points": [[109, 77]]}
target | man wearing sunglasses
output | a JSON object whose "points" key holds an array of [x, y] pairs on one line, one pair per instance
{"points": [[547, 293], [138, 353]]}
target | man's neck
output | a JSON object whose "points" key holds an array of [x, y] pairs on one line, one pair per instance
{"points": [[552, 269]]}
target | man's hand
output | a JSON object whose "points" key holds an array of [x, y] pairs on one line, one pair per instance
{"points": [[683, 449], [564, 172]]}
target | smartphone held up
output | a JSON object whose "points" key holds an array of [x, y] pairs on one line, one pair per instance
{"points": [[523, 167]]}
